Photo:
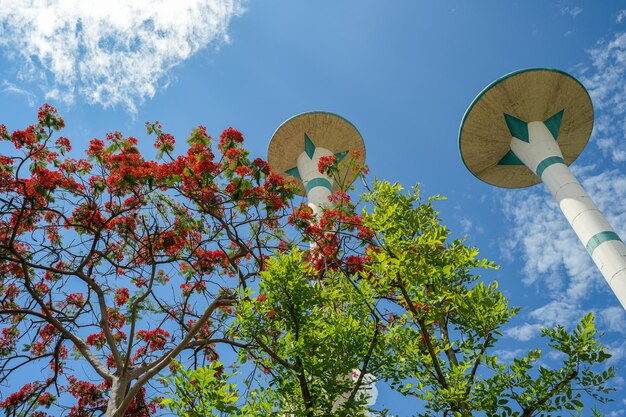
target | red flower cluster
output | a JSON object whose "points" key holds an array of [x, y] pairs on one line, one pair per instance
{"points": [[75, 299], [230, 138], [164, 141], [110, 218], [115, 319], [156, 338], [63, 144], [27, 137], [49, 117], [325, 163], [121, 296], [96, 340], [8, 340], [46, 399], [15, 399], [47, 335], [90, 396], [96, 146]]}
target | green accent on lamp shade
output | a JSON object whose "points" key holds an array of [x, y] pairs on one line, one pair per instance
{"points": [[318, 182], [554, 123], [517, 127], [309, 146], [510, 159], [600, 238], [341, 155], [551, 160], [294, 172]]}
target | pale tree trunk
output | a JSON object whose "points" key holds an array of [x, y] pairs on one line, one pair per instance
{"points": [[116, 404]]}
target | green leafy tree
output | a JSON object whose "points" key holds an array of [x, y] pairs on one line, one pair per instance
{"points": [[439, 342], [388, 293]]}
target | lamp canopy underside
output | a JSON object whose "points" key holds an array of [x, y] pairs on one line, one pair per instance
{"points": [[323, 130], [528, 95]]}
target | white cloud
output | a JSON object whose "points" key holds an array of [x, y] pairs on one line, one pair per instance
{"points": [[10, 88], [620, 16], [572, 11], [524, 332], [606, 82], [556, 355], [110, 53], [554, 259], [557, 312], [466, 225], [617, 351], [507, 356], [613, 319]]}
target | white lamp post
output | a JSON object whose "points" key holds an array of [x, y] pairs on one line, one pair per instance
{"points": [[295, 150], [528, 127]]}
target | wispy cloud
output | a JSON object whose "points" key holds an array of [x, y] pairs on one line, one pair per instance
{"points": [[617, 351], [524, 332], [468, 226], [614, 319], [115, 53], [572, 11], [605, 80], [507, 356], [551, 314], [10, 88], [555, 260]]}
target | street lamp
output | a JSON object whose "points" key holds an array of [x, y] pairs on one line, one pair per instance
{"points": [[527, 127], [294, 152]]}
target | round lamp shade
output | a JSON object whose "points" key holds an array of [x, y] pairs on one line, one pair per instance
{"points": [[529, 95], [325, 130]]}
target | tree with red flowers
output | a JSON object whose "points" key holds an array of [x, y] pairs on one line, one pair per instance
{"points": [[115, 269], [386, 294], [113, 265]]}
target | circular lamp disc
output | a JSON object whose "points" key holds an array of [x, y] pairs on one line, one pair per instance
{"points": [[529, 95], [326, 130]]}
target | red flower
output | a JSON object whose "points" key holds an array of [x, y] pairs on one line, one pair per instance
{"points": [[233, 153], [229, 139], [325, 163], [164, 141], [96, 340], [243, 170], [121, 296], [261, 165], [156, 338], [46, 399], [232, 134], [22, 138], [25, 392], [49, 117], [64, 144], [95, 147]]}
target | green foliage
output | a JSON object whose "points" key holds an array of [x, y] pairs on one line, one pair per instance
{"points": [[416, 315], [308, 335], [201, 392]]}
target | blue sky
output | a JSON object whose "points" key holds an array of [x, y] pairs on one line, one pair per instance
{"points": [[402, 72]]}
